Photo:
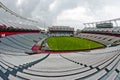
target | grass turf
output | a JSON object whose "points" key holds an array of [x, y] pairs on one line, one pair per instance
{"points": [[71, 43]]}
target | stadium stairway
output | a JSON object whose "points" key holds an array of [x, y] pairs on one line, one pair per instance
{"points": [[62, 67], [12, 68], [19, 43], [15, 64]]}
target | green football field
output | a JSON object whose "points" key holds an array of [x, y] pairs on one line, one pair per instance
{"points": [[71, 43]]}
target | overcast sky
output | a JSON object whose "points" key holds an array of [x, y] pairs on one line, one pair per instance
{"points": [[65, 12]]}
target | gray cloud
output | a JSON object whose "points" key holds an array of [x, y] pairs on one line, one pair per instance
{"points": [[49, 16], [28, 6], [41, 9]]}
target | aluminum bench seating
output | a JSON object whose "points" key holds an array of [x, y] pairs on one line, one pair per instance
{"points": [[11, 44], [5, 48], [19, 60], [17, 43], [85, 72], [23, 41]]}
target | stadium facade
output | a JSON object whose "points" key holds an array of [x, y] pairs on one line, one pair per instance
{"points": [[61, 31]]}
